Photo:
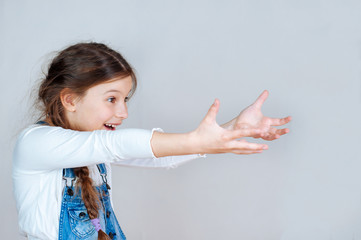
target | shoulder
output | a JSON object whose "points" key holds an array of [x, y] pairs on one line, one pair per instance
{"points": [[29, 132], [45, 133], [36, 137], [38, 129]]}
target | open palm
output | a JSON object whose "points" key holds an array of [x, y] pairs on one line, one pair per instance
{"points": [[252, 117]]}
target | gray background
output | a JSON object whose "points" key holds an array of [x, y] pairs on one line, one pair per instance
{"points": [[186, 53]]}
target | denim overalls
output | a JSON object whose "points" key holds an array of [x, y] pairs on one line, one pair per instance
{"points": [[74, 221]]}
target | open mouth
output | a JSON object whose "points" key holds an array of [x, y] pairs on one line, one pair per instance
{"points": [[110, 126]]}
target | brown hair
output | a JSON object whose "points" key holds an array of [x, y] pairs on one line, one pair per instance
{"points": [[78, 68]]}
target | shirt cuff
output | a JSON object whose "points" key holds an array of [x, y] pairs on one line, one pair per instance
{"points": [[151, 136]]}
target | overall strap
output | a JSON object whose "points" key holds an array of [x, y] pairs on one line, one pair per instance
{"points": [[103, 173], [42, 123], [102, 169], [68, 173], [69, 178]]}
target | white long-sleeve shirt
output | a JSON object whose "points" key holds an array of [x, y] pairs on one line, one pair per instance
{"points": [[41, 152]]}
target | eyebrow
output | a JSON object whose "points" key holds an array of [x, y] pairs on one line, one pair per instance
{"points": [[112, 90], [117, 91]]}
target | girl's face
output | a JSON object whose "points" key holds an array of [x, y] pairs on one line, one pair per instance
{"points": [[103, 107]]}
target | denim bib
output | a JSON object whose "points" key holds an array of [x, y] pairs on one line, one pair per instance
{"points": [[74, 221]]}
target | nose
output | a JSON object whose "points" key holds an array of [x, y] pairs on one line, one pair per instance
{"points": [[122, 111]]}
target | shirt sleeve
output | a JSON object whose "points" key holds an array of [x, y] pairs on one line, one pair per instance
{"points": [[162, 162], [46, 147]]}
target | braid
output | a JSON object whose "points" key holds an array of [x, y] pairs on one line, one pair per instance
{"points": [[88, 193], [90, 196]]}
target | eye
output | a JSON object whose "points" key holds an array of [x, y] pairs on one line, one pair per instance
{"points": [[126, 99], [111, 99]]}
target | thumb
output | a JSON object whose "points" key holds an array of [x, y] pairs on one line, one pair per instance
{"points": [[261, 99], [212, 112]]}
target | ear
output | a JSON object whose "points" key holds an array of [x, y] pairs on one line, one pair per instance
{"points": [[68, 99]]}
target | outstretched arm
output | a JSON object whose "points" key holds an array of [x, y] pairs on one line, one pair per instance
{"points": [[252, 117], [209, 137]]}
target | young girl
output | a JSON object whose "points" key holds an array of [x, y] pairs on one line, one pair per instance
{"points": [[61, 165]]}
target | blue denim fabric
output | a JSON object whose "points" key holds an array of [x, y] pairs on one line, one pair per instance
{"points": [[74, 221]]}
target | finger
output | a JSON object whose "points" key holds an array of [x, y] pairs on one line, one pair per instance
{"points": [[271, 134], [278, 132], [280, 121], [275, 134], [270, 137], [212, 112], [247, 152], [283, 131], [261, 99], [247, 146]]}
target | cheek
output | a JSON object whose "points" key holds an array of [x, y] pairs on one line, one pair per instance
{"points": [[93, 116], [92, 113], [104, 113]]}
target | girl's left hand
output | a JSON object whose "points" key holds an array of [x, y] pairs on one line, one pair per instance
{"points": [[252, 117]]}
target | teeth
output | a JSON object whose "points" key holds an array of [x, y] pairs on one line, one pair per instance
{"points": [[110, 125]]}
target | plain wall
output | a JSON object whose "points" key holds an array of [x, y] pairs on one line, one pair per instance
{"points": [[186, 53]]}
